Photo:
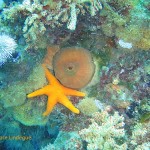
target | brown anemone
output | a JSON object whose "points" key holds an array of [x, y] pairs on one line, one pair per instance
{"points": [[73, 67]]}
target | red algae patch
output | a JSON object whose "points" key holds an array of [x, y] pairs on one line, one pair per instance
{"points": [[74, 67]]}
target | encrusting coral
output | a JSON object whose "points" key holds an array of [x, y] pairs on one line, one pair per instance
{"points": [[74, 67], [15, 94], [13, 98], [56, 94], [27, 115]]}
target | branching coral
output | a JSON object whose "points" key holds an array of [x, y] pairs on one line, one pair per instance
{"points": [[138, 134], [104, 131], [41, 18]]}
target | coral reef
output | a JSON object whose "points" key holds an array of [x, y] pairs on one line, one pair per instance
{"points": [[74, 67], [40, 20], [139, 136], [144, 146], [125, 81], [103, 131], [138, 132], [15, 95], [121, 96], [115, 113]]}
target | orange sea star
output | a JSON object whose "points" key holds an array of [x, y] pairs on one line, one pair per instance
{"points": [[56, 93]]}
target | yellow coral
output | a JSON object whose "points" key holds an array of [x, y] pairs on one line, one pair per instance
{"points": [[88, 106]]}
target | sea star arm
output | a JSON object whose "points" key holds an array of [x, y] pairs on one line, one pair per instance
{"points": [[65, 101], [52, 100], [45, 90], [68, 91], [49, 76]]}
